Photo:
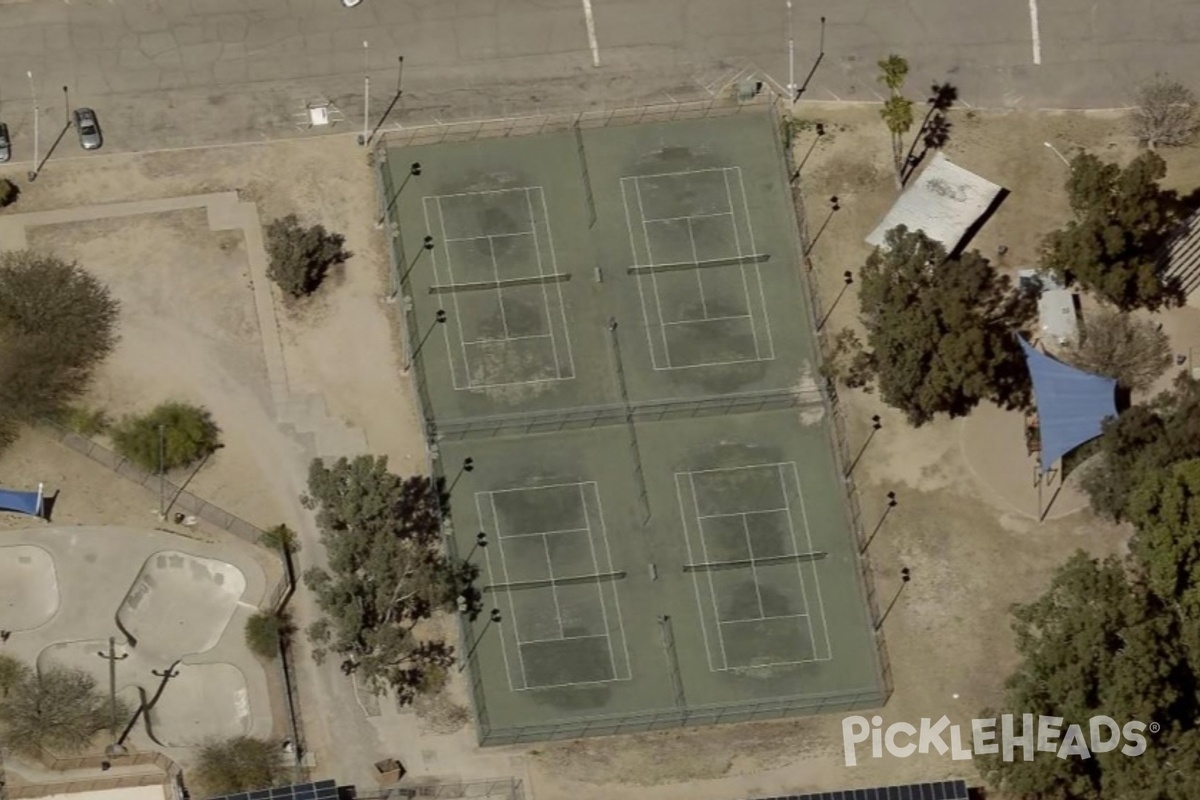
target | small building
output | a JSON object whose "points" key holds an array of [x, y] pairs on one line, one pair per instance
{"points": [[1058, 317]]}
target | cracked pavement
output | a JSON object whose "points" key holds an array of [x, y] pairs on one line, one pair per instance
{"points": [[175, 73]]}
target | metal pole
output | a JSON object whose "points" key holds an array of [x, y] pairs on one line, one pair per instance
{"points": [[162, 458], [791, 60], [33, 96], [366, 91]]}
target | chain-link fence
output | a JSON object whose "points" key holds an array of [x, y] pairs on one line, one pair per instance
{"points": [[169, 775], [495, 789], [840, 440]]}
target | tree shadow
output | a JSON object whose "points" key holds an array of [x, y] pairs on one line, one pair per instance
{"points": [[934, 133]]}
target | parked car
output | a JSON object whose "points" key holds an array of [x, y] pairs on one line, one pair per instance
{"points": [[350, 3], [5, 144], [89, 129]]}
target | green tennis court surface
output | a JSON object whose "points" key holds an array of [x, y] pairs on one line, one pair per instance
{"points": [[627, 357]]}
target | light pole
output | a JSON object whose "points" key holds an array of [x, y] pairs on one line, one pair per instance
{"points": [[905, 577], [468, 465], [33, 96], [481, 541], [891, 503], [1060, 155], [847, 279], [440, 319], [834, 206], [791, 60], [876, 424], [493, 617], [113, 749], [162, 478], [391, 105], [366, 93], [820, 132]]}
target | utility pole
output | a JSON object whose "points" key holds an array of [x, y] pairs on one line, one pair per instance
{"points": [[791, 60], [366, 92], [111, 656], [33, 96], [162, 477]]}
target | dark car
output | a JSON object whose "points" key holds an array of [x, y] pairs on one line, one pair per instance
{"points": [[5, 144], [89, 129]]}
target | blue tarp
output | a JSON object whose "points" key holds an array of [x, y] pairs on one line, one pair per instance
{"points": [[1071, 403], [22, 502]]}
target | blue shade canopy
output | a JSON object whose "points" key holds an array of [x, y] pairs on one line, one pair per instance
{"points": [[22, 502], [1071, 403]]}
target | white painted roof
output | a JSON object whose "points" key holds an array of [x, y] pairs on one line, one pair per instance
{"points": [[945, 200], [1056, 316]]}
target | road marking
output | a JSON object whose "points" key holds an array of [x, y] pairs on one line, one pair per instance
{"points": [[1037, 38], [591, 29]]}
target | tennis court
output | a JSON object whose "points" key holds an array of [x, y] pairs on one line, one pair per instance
{"points": [[611, 324]]}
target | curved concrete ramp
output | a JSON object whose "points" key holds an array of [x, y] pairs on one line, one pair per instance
{"points": [[205, 702], [28, 588], [180, 604]]}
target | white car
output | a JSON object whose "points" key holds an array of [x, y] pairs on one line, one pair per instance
{"points": [[350, 3]]}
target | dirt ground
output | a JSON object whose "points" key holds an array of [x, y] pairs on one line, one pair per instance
{"points": [[189, 333]]}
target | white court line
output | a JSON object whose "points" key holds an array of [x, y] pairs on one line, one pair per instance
{"points": [[736, 469], [562, 631], [816, 578], [762, 619], [499, 289], [489, 236], [712, 589], [616, 595], [674, 174], [591, 32], [537, 249], [543, 533], [562, 303], [796, 548], [762, 612], [509, 339], [612, 658], [757, 267], [536, 487], [445, 328], [1037, 37], [708, 319], [687, 542], [511, 605], [457, 311], [728, 213], [637, 190], [696, 261], [637, 263], [492, 578], [565, 638], [744, 513], [482, 191], [737, 241]]}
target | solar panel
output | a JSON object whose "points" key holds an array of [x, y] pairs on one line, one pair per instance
{"points": [[943, 790], [320, 790]]}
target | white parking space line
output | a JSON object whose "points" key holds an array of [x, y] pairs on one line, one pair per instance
{"points": [[1037, 38], [591, 29]]}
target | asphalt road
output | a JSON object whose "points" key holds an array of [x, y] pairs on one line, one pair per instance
{"points": [[173, 73]]}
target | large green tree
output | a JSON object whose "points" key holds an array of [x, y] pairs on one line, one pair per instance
{"points": [[1141, 441], [1136, 352], [57, 322], [1114, 244], [388, 572], [1100, 642], [940, 330]]}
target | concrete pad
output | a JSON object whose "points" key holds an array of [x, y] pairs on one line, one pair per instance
{"points": [[180, 604], [85, 655], [206, 701], [28, 588]]}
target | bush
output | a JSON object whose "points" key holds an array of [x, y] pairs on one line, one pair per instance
{"points": [[56, 709], [265, 631], [1165, 113], [189, 434], [281, 538], [9, 192], [300, 257], [86, 421], [239, 764]]}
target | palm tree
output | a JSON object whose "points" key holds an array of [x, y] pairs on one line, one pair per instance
{"points": [[897, 111]]}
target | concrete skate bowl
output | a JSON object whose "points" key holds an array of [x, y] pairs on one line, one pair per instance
{"points": [[28, 587], [205, 702], [180, 604]]}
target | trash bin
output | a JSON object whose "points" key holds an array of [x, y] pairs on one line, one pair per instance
{"points": [[389, 771]]}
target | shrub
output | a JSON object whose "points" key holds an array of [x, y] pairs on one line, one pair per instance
{"points": [[239, 764], [188, 434], [56, 709], [281, 538], [87, 421], [9, 192], [300, 257], [265, 631]]}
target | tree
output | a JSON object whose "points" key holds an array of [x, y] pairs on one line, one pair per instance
{"points": [[188, 435], [849, 363], [1098, 642], [1144, 439], [57, 322], [9, 192], [897, 111], [1133, 351], [300, 257], [56, 710], [280, 538], [941, 330], [1122, 220], [1164, 114], [387, 573], [935, 128], [12, 673], [266, 631], [238, 764]]}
